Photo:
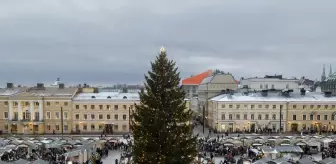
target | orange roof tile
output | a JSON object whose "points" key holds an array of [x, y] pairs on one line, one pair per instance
{"points": [[197, 79]]}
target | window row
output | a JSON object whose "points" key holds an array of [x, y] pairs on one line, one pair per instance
{"points": [[25, 115], [15, 103], [100, 117], [237, 106], [311, 117], [252, 117], [57, 128], [314, 106], [115, 107], [99, 127], [265, 86], [57, 115]]}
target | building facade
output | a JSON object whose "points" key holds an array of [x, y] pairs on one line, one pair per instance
{"points": [[255, 111], [107, 112], [276, 82], [190, 85]]}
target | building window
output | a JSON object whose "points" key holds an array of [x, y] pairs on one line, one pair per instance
{"points": [[116, 117], [259, 116], [294, 106], [124, 127], [65, 114], [304, 117], [272, 86], [100, 117], [115, 107], [223, 116], [92, 106], [36, 103], [57, 127], [333, 106], [6, 115], [92, 127], [261, 86], [124, 117], [85, 106], [252, 116], [108, 107], [6, 103], [101, 127], [294, 117], [274, 106], [230, 116], [287, 86], [48, 127], [266, 106], [245, 106], [77, 116], [85, 116], [252, 106], [318, 106], [325, 117], [237, 106], [311, 106], [281, 106], [230, 106], [237, 116], [48, 115], [65, 127], [266, 116], [84, 127], [259, 106], [245, 116], [57, 116], [266, 86], [115, 127], [223, 106], [124, 106], [92, 116], [57, 103], [318, 117], [108, 116], [304, 107], [311, 117], [325, 106], [66, 103], [274, 116], [100, 106], [77, 106], [48, 103]]}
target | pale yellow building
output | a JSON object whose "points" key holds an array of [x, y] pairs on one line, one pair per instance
{"points": [[103, 111], [254, 111], [37, 110]]}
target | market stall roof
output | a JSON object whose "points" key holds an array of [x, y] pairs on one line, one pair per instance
{"points": [[21, 161], [289, 149], [328, 161], [306, 161], [281, 161], [268, 150], [40, 161], [263, 161], [73, 153]]}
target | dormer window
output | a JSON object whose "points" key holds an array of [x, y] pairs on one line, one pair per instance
{"points": [[124, 97], [109, 97], [93, 97]]}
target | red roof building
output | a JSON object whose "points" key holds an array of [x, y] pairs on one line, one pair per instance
{"points": [[197, 79]]}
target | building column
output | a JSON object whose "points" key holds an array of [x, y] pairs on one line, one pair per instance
{"points": [[40, 110], [31, 110], [19, 110], [10, 110]]}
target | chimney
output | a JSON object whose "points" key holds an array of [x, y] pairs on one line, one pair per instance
{"points": [[10, 85], [61, 85], [40, 85], [303, 91], [264, 93], [85, 85]]}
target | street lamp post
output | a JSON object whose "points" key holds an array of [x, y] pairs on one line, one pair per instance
{"points": [[280, 118], [129, 120], [62, 121]]}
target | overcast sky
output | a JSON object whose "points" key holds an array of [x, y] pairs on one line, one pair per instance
{"points": [[113, 41]]}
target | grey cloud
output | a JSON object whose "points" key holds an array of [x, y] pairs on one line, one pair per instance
{"points": [[114, 41]]}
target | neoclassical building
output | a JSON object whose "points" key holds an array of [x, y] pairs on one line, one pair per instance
{"points": [[253, 111]]}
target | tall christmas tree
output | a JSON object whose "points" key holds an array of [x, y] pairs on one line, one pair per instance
{"points": [[162, 134]]}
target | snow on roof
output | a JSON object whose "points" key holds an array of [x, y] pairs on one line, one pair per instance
{"points": [[311, 96], [52, 91], [107, 96], [207, 80], [10, 91]]}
